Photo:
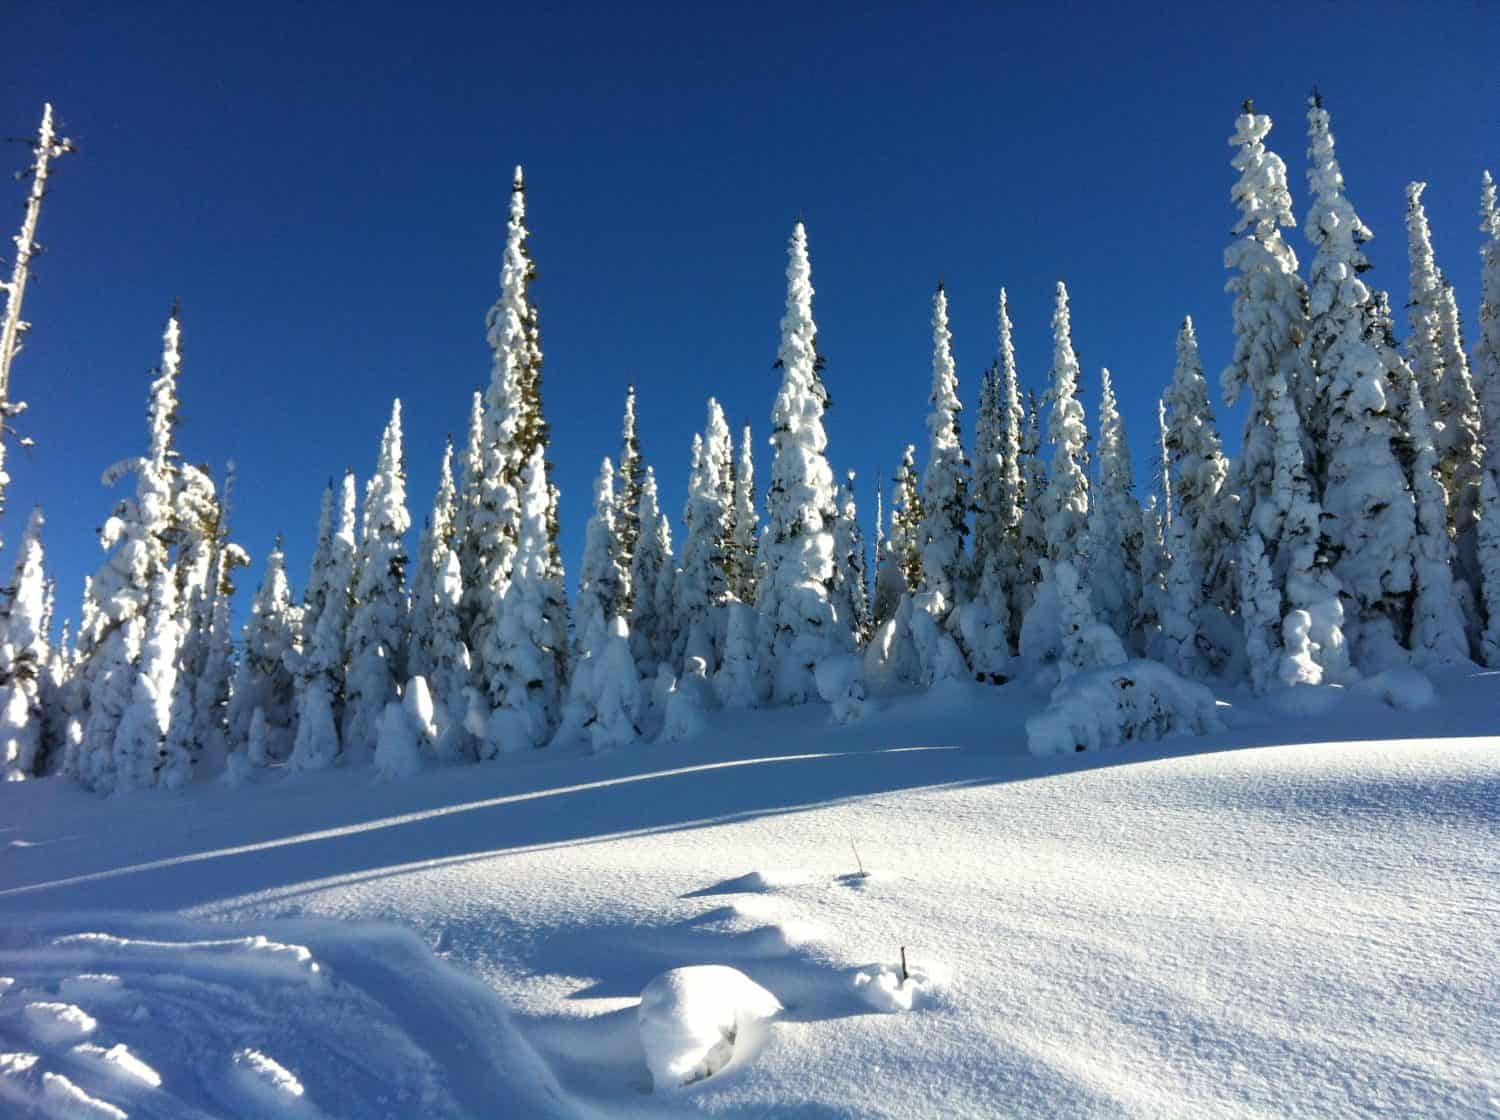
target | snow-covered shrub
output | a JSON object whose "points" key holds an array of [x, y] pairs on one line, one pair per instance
{"points": [[689, 697], [1139, 700], [398, 751], [738, 680], [841, 684], [1406, 689], [694, 1020], [617, 691]]}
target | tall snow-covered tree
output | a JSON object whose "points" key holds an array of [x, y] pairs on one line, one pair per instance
{"points": [[945, 481], [799, 624], [466, 534], [377, 628], [601, 579], [1066, 501], [702, 584], [1487, 374], [851, 590], [24, 655], [525, 691], [1437, 630], [438, 535], [890, 578], [1114, 523], [746, 524], [125, 603], [1200, 474], [906, 521], [212, 693], [1270, 307], [628, 500], [998, 486], [652, 574], [263, 681], [1365, 495], [1031, 533], [319, 667]]}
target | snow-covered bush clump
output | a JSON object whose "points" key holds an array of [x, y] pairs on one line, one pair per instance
{"points": [[1139, 700], [841, 684], [398, 750], [1405, 689], [898, 989], [691, 695], [695, 1021]]}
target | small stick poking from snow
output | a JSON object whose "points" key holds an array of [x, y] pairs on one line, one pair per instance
{"points": [[905, 976], [857, 861]]}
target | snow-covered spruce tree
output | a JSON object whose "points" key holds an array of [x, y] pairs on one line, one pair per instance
{"points": [[799, 624], [263, 679], [432, 552], [1200, 470], [1270, 307], [377, 629], [525, 690], [1031, 533], [1364, 491], [1487, 375], [435, 646], [851, 589], [906, 521], [125, 599], [465, 530], [1061, 623], [702, 584], [746, 524], [319, 667], [1114, 523], [600, 600], [890, 579], [1423, 349], [1437, 630], [511, 416], [998, 486], [212, 692], [140, 738], [948, 644], [628, 501], [652, 575], [24, 656]]}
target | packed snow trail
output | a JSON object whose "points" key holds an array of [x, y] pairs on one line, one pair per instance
{"points": [[1173, 929]]}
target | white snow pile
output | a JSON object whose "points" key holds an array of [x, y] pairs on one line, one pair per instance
{"points": [[900, 987], [1139, 700], [694, 1021], [1406, 689]]}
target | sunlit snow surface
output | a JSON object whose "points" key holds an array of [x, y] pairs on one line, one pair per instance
{"points": [[1203, 927]]}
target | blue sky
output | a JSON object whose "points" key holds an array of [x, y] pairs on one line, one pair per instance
{"points": [[324, 189]]}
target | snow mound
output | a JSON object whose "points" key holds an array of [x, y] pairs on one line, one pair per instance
{"points": [[1139, 700], [58, 1022], [61, 1098], [884, 988], [694, 1021], [1404, 689], [841, 684]]}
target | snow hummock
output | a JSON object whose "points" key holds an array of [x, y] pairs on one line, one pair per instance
{"points": [[1138, 700], [696, 1020]]}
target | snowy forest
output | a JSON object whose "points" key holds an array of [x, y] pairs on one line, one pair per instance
{"points": [[1354, 540]]}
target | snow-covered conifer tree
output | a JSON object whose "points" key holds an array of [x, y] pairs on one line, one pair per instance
{"points": [[998, 485], [598, 605], [628, 502], [525, 690], [263, 678], [212, 692], [851, 590], [702, 585], [906, 521], [746, 524], [800, 626], [432, 560], [127, 608], [1365, 495], [1200, 473], [1031, 533], [890, 578], [1487, 375], [652, 574], [465, 530], [319, 667], [1114, 523], [24, 657], [1066, 502], [1270, 307], [1437, 629], [945, 482], [376, 646]]}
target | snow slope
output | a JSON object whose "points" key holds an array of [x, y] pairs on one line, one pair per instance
{"points": [[1204, 927]]}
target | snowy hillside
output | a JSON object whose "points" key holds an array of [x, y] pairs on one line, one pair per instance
{"points": [[1206, 926]]}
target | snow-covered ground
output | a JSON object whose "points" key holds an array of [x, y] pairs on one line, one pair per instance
{"points": [[1209, 926]]}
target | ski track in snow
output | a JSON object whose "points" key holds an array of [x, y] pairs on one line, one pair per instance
{"points": [[1194, 928]]}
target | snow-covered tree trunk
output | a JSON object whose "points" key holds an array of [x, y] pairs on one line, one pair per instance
{"points": [[799, 623], [376, 646]]}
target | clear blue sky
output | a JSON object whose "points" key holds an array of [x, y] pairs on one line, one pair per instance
{"points": [[325, 189]]}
